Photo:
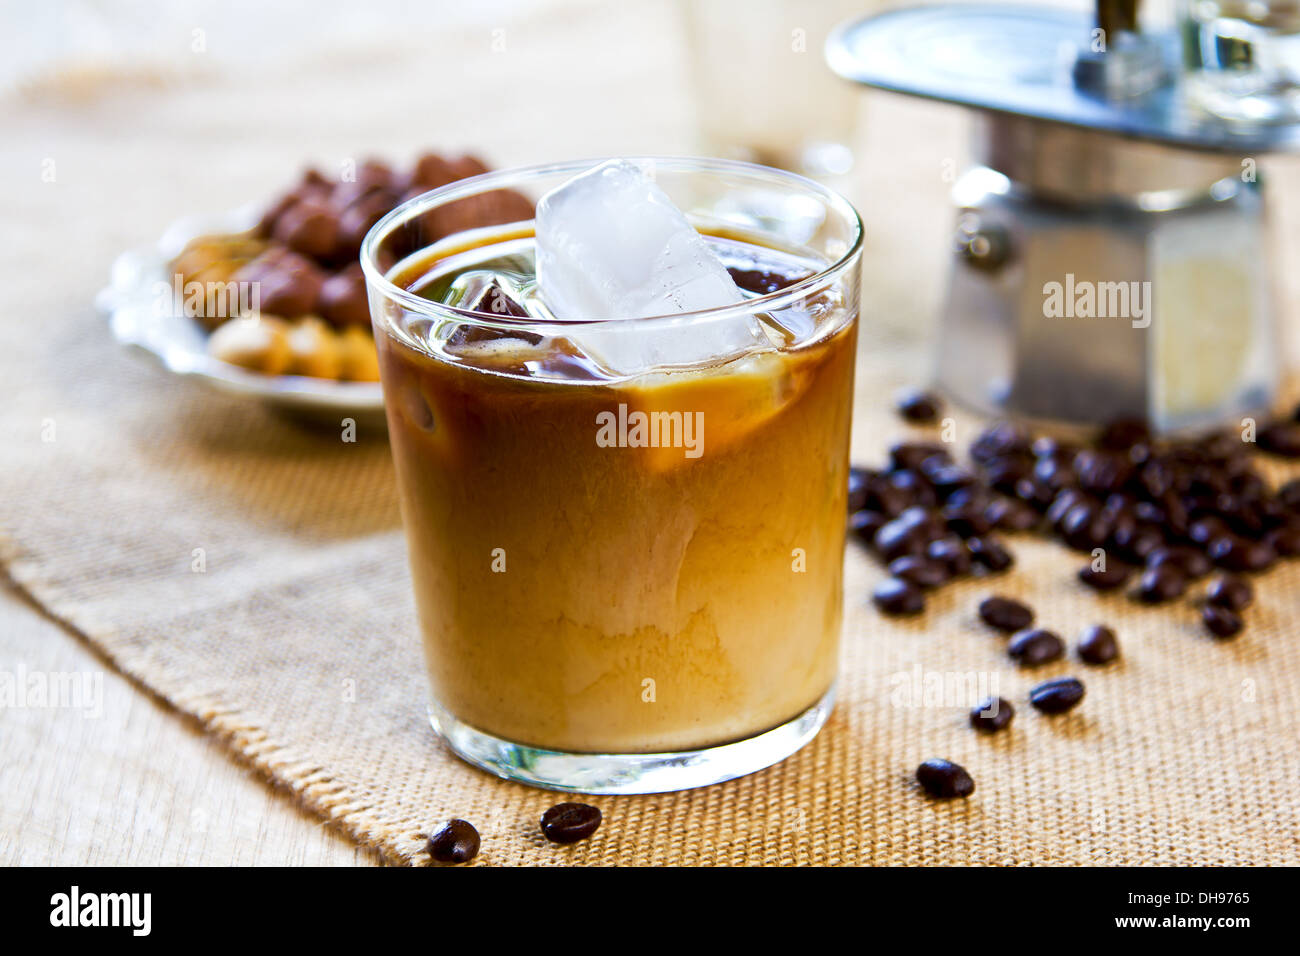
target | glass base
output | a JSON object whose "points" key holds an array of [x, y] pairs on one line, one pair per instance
{"points": [[629, 773]]}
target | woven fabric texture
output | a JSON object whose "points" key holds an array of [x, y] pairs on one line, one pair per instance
{"points": [[297, 645]]}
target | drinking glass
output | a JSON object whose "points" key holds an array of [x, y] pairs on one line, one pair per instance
{"points": [[627, 580]]}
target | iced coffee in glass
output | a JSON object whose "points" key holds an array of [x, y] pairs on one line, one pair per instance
{"points": [[618, 398]]}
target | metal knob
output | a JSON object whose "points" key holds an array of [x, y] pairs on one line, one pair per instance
{"points": [[981, 246]]}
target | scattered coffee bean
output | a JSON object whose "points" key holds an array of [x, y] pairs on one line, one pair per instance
{"points": [[455, 842], [1057, 695], [910, 454], [1086, 526], [919, 570], [918, 406], [1035, 493], [896, 597], [1289, 495], [951, 552], [1230, 591], [903, 489], [866, 524], [1176, 507], [991, 714], [1285, 541], [1280, 438], [1234, 553], [1141, 542], [1190, 561], [1097, 645], [999, 440], [1164, 582], [570, 822], [1222, 622], [1123, 434], [858, 483], [990, 553], [1034, 647], [944, 779], [1005, 614], [965, 520], [1009, 514], [906, 534], [1204, 530], [949, 479], [1114, 575]]}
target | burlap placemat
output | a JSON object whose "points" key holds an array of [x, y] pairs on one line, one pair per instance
{"points": [[297, 647]]}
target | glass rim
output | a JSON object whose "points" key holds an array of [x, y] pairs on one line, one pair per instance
{"points": [[504, 178]]}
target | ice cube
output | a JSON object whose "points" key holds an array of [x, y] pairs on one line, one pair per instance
{"points": [[611, 245]]}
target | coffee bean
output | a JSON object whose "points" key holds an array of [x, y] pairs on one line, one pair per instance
{"points": [[951, 552], [999, 440], [1047, 446], [991, 714], [1114, 575], [1008, 514], [570, 822], [1001, 474], [944, 779], [965, 521], [910, 454], [949, 478], [1065, 500], [1280, 438], [1101, 471], [1205, 529], [1234, 553], [1035, 646], [1097, 645], [858, 483], [1057, 695], [866, 524], [901, 536], [455, 842], [1054, 472], [1164, 582], [909, 488], [1191, 562], [1230, 591], [1148, 512], [1222, 622], [1289, 495], [896, 597], [1123, 434], [1005, 614], [990, 553], [1035, 493], [1176, 516], [919, 570], [917, 406], [1136, 545], [1085, 526], [1284, 541]]}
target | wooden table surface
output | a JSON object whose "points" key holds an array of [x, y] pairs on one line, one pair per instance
{"points": [[134, 782], [128, 780]]}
